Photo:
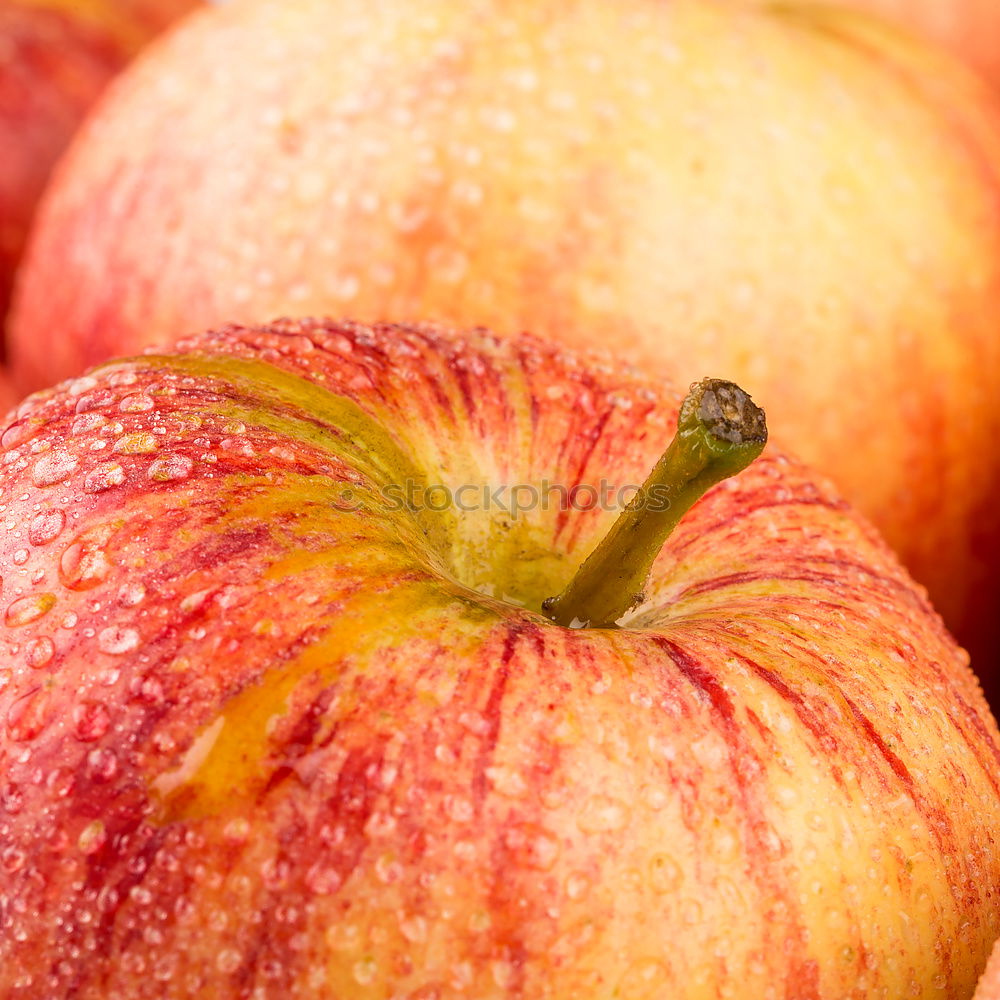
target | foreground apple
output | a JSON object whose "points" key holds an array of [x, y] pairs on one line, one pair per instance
{"points": [[271, 732], [793, 196], [970, 28], [56, 57]]}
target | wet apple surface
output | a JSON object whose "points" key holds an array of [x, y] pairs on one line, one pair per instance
{"points": [[268, 732], [792, 195]]}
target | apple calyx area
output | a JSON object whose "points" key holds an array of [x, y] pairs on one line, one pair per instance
{"points": [[720, 431]]}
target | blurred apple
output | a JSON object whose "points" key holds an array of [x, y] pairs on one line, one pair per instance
{"points": [[788, 193], [282, 716], [56, 56], [7, 395], [970, 28], [989, 984]]}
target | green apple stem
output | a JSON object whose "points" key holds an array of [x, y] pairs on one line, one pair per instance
{"points": [[720, 431]]}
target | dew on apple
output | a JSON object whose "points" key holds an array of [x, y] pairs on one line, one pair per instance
{"points": [[116, 641], [46, 527], [136, 443], [93, 837], [26, 610], [39, 651], [91, 720], [102, 764], [603, 814], [53, 467], [94, 401], [136, 402], [104, 477], [84, 564]]}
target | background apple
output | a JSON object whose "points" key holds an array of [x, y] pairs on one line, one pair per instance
{"points": [[791, 194], [56, 56], [971, 28], [989, 984], [257, 742], [7, 395]]}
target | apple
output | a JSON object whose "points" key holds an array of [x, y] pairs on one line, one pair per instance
{"points": [[56, 57], [7, 394], [989, 984], [971, 28], [792, 194], [288, 709]]}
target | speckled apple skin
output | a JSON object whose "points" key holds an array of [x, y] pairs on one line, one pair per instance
{"points": [[793, 195], [258, 745], [57, 57]]}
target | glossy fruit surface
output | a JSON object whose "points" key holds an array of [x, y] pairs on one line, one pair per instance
{"points": [[268, 732], [792, 195]]}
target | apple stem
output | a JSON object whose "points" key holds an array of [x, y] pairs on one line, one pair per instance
{"points": [[720, 431]]}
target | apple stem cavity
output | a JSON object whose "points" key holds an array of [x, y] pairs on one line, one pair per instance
{"points": [[720, 431]]}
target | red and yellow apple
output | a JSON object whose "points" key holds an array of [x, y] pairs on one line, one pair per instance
{"points": [[970, 28], [282, 715], [791, 194], [56, 57]]}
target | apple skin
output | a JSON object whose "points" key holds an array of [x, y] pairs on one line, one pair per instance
{"points": [[795, 196], [259, 744], [58, 56], [989, 984], [970, 28]]}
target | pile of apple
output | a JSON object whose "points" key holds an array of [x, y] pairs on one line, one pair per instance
{"points": [[335, 663]]}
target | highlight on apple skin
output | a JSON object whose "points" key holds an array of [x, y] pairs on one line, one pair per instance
{"points": [[268, 732], [791, 194]]}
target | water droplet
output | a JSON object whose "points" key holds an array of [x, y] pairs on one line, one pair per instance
{"points": [[136, 402], [90, 720], [603, 814], [536, 848], [52, 468], [365, 972], [413, 928], [11, 799], [102, 764], [46, 526], [136, 443], [39, 651], [323, 880], [21, 556], [237, 446], [84, 564], [28, 716], [237, 831], [87, 422], [29, 609], [12, 860], [228, 961], [18, 433], [117, 641], [131, 594], [171, 467], [104, 477]]}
